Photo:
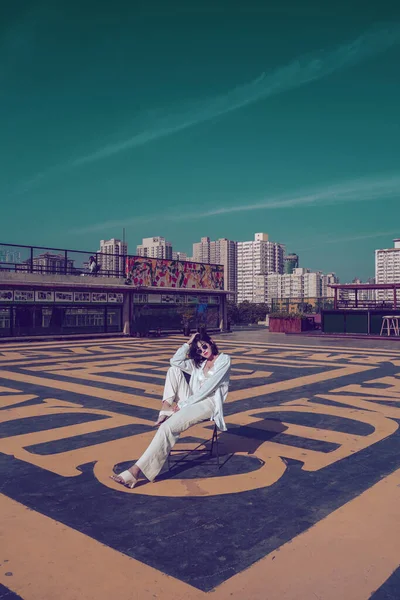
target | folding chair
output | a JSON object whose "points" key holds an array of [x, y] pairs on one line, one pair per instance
{"points": [[200, 448]]}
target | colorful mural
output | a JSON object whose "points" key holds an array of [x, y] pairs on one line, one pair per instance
{"points": [[155, 272]]}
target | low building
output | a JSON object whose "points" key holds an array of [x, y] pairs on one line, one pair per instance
{"points": [[153, 295], [361, 308]]}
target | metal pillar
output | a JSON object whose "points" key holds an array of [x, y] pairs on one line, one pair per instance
{"points": [[126, 313], [223, 325]]}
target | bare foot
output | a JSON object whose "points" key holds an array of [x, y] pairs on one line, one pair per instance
{"points": [[127, 478]]}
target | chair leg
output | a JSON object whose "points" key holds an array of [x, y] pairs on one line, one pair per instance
{"points": [[215, 439], [217, 446]]}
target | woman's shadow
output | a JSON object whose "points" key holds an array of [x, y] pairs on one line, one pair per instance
{"points": [[248, 438], [239, 439]]}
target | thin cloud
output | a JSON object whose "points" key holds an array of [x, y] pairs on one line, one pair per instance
{"points": [[297, 73], [352, 238], [360, 190], [303, 70]]}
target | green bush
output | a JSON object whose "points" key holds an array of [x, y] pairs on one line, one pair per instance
{"points": [[288, 316]]}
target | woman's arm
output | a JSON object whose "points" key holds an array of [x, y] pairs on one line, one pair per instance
{"points": [[210, 384], [181, 361]]}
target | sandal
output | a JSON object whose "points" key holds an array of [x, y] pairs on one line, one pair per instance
{"points": [[128, 480], [163, 416]]}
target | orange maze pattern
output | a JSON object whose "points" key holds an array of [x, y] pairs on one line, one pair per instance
{"points": [[304, 505]]}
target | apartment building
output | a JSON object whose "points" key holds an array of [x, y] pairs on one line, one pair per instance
{"points": [[302, 283], [202, 250], [312, 284], [328, 292], [155, 247], [49, 262], [112, 256], [254, 259], [180, 256], [285, 286], [219, 252], [387, 268], [260, 292]]}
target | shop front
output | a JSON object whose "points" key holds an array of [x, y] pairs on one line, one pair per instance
{"points": [[175, 312], [157, 295], [52, 312]]}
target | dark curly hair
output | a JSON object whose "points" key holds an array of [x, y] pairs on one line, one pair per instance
{"points": [[193, 353]]}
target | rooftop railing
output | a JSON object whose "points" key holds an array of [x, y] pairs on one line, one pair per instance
{"points": [[365, 304], [60, 261], [372, 296]]}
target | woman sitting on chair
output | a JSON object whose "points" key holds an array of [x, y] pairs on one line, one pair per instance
{"points": [[185, 404]]}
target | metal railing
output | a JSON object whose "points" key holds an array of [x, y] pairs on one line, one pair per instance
{"points": [[365, 304], [306, 305], [60, 261]]}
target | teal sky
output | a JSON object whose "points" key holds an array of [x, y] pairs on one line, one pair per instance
{"points": [[187, 118]]}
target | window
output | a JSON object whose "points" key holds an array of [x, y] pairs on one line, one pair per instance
{"points": [[114, 315], [78, 319], [5, 321]]}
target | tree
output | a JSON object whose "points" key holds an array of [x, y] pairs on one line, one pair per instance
{"points": [[232, 312], [250, 312], [187, 315], [260, 311]]}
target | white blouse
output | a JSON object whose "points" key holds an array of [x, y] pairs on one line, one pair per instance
{"points": [[214, 384]]}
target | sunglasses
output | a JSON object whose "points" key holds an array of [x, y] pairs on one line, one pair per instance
{"points": [[202, 348]]}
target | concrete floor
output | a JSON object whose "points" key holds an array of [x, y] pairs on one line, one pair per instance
{"points": [[305, 504]]}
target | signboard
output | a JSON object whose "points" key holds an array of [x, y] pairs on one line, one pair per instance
{"points": [[24, 296], [115, 297], [99, 296], [167, 299], [6, 295], [81, 296], [64, 296], [44, 296]]}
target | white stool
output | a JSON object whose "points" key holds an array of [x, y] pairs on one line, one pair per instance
{"points": [[390, 322]]}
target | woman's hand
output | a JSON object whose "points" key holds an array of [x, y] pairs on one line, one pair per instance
{"points": [[176, 408], [190, 340]]}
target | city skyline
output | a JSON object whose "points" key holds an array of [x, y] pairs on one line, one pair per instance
{"points": [[285, 121]]}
